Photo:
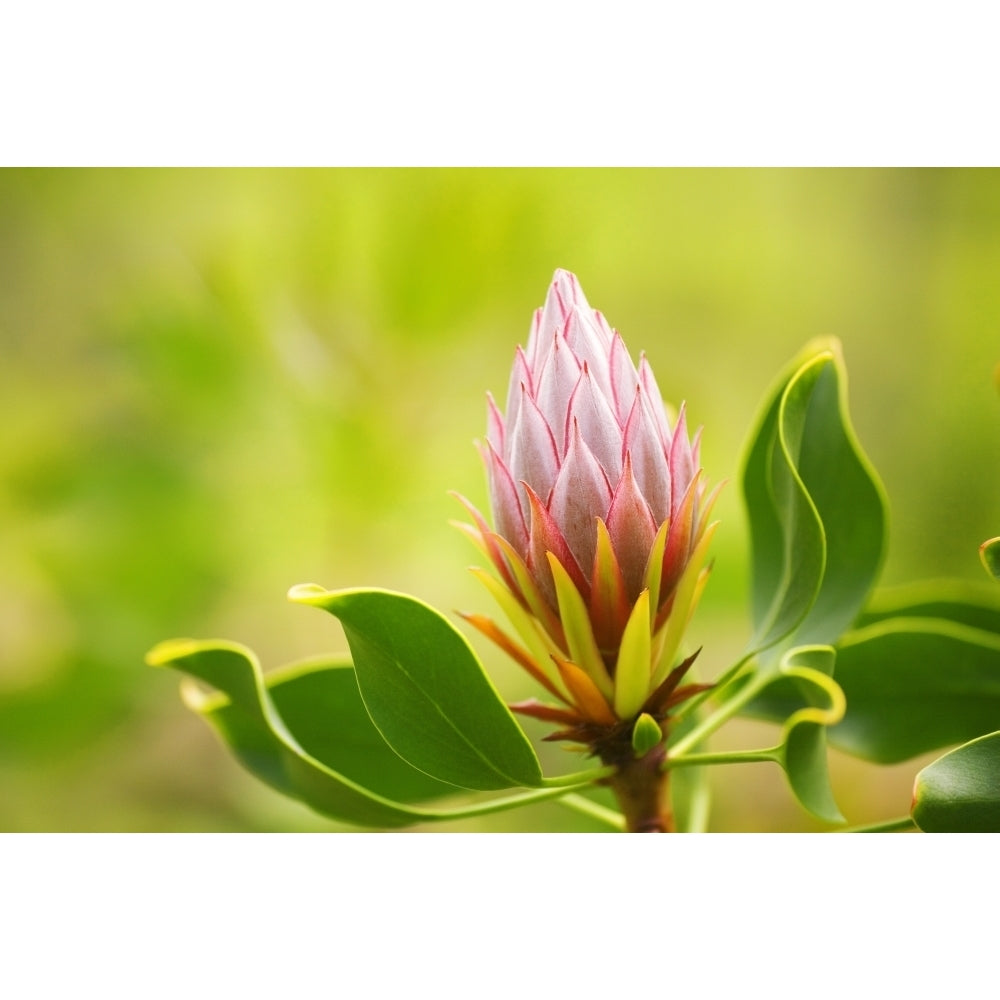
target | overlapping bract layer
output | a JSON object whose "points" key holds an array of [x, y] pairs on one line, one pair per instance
{"points": [[600, 514]]}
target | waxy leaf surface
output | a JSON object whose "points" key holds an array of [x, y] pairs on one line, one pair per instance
{"points": [[915, 685], [305, 732], [974, 604], [960, 792], [244, 715], [815, 508], [426, 690]]}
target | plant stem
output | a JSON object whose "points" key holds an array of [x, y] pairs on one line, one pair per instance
{"points": [[719, 685], [721, 715], [594, 810], [641, 787], [724, 757], [579, 778], [886, 826]]}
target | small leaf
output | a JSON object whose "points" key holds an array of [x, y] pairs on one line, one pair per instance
{"points": [[645, 735], [426, 691], [989, 553], [960, 792], [816, 510]]}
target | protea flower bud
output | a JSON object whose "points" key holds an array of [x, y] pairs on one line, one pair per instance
{"points": [[600, 518]]}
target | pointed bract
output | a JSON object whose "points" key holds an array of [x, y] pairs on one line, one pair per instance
{"points": [[589, 409], [507, 511], [641, 440], [601, 530], [555, 386], [533, 457], [582, 488], [632, 529]]}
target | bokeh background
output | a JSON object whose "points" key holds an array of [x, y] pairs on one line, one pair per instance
{"points": [[216, 384]]}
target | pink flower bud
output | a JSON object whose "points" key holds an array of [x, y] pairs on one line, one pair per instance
{"points": [[596, 501]]}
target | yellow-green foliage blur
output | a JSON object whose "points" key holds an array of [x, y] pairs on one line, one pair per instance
{"points": [[217, 384]]}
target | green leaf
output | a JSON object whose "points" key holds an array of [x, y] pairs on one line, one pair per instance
{"points": [[786, 536], [342, 768], [426, 691], [804, 754], [816, 510], [646, 734], [242, 713], [915, 685], [319, 702], [974, 604], [989, 553], [960, 792]]}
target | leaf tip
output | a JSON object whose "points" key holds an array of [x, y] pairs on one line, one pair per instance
{"points": [[646, 734], [309, 593], [989, 556], [169, 651]]}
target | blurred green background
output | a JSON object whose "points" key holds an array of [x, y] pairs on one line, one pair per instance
{"points": [[216, 384]]}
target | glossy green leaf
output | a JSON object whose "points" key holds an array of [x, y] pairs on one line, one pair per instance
{"points": [[915, 685], [427, 692], [815, 508], [342, 768], [786, 536], [243, 714], [960, 792], [974, 604], [646, 734], [989, 553], [320, 705], [804, 753]]}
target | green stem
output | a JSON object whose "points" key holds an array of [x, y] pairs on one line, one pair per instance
{"points": [[594, 810], [729, 757], [722, 715], [579, 778], [495, 805], [717, 688], [886, 826]]}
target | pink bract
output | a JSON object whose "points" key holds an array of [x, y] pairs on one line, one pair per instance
{"points": [[586, 469]]}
